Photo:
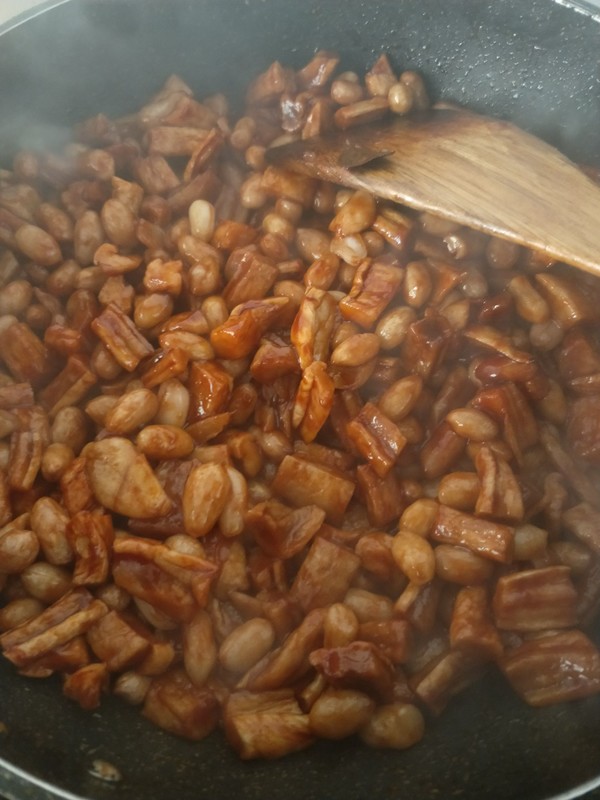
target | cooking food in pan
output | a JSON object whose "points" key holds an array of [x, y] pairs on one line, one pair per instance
{"points": [[279, 456]]}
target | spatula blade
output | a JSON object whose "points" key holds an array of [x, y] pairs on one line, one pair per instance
{"points": [[481, 172]]}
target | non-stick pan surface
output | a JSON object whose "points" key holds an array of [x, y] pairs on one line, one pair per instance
{"points": [[532, 61]]}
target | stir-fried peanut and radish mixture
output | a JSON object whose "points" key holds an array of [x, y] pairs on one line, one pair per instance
{"points": [[277, 455]]}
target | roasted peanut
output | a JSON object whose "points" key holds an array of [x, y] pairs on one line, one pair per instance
{"points": [[554, 406], [418, 88], [104, 364], [118, 221], [56, 459], [132, 687], [393, 326], [151, 310], [88, 235], [459, 490], [114, 596], [69, 427], [414, 556], [345, 91], [472, 424], [397, 726], [417, 284], [528, 301], [419, 517], [252, 195], [17, 612], [164, 441], [355, 350], [38, 245], [246, 645], [340, 626], [338, 713], [215, 310], [401, 397], [99, 408], [173, 403], [546, 335], [400, 98], [232, 519], [56, 222], [312, 243], [122, 480], [46, 582], [530, 542], [204, 498], [202, 219], [132, 411], [368, 606], [15, 297], [196, 347], [18, 549]]}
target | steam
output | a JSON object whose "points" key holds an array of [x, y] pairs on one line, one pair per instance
{"points": [[63, 62], [535, 63]]}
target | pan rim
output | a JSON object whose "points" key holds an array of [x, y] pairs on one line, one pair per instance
{"points": [[49, 790], [11, 775], [25, 778], [25, 16]]}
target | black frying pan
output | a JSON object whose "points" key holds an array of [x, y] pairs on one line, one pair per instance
{"points": [[529, 60]]}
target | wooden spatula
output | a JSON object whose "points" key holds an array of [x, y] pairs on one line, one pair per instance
{"points": [[477, 171]]}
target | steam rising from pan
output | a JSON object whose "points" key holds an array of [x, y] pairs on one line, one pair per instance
{"points": [[94, 60]]}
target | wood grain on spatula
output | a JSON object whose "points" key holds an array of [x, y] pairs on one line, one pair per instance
{"points": [[481, 172]]}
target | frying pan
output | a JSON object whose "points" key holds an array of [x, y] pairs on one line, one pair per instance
{"points": [[533, 61]]}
